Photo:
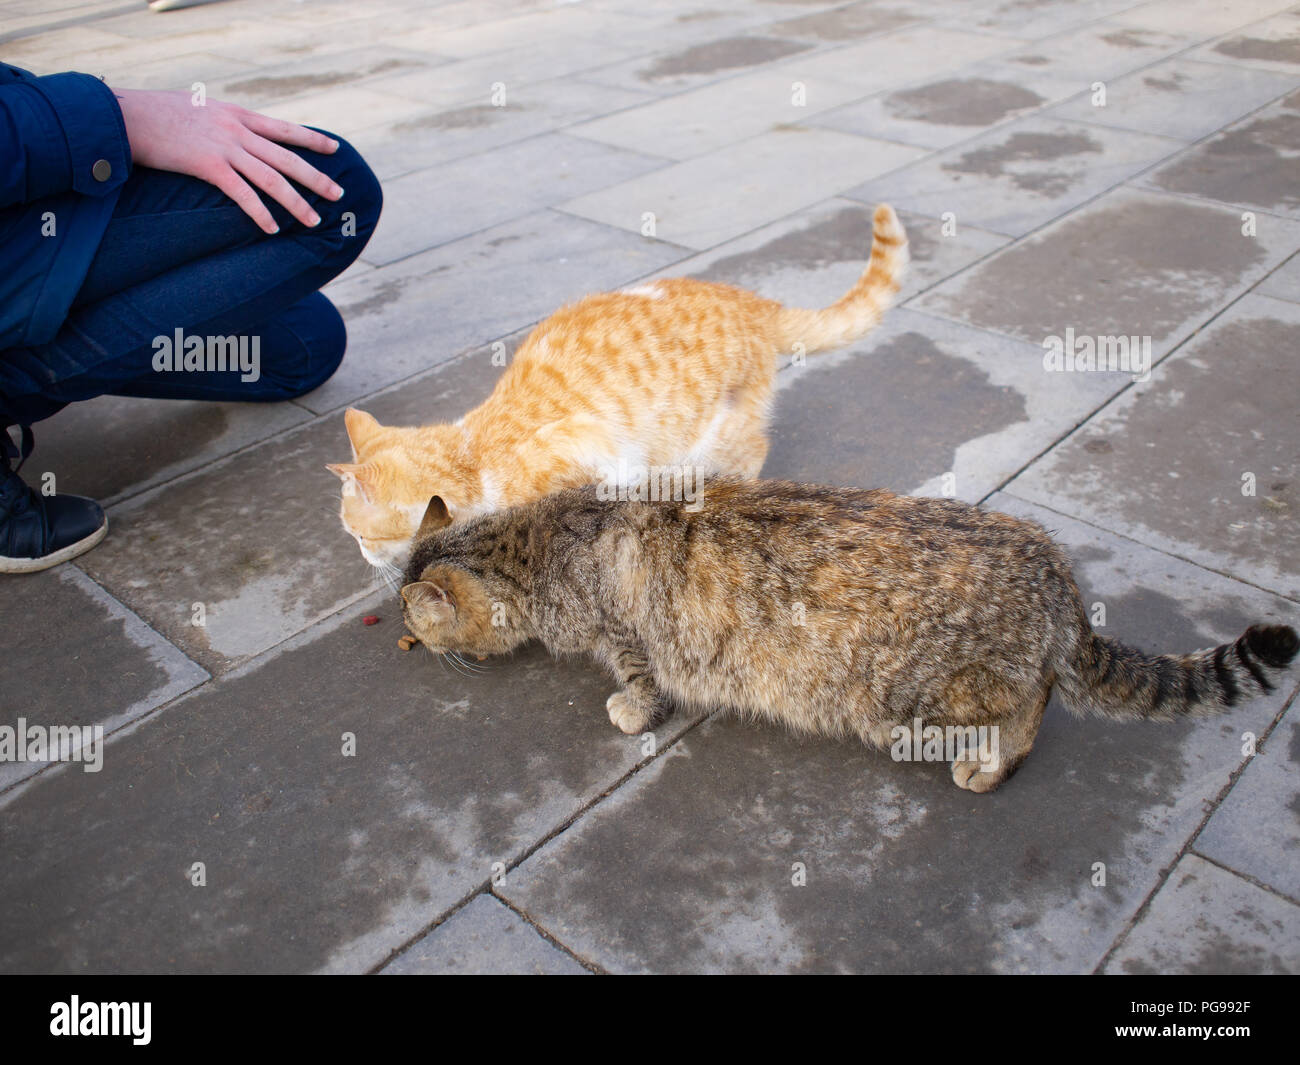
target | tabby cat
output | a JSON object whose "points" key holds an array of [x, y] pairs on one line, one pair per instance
{"points": [[832, 610], [670, 373]]}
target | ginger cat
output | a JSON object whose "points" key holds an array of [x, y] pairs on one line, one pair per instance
{"points": [[674, 373]]}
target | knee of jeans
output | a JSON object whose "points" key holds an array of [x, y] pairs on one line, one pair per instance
{"points": [[316, 328], [328, 346], [362, 195]]}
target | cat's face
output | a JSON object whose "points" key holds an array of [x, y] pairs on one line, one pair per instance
{"points": [[450, 609], [387, 486]]}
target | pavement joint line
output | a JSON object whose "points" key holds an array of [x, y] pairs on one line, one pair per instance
{"points": [[76, 20], [555, 831], [581, 811], [1186, 142], [1194, 198], [8, 793], [526, 214], [1253, 880], [1123, 390], [592, 967], [443, 917], [1145, 546], [1211, 807]]}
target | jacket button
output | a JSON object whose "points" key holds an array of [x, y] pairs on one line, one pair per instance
{"points": [[102, 170]]}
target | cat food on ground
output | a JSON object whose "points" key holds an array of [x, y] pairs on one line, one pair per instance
{"points": [[370, 619], [831, 610], [407, 642]]}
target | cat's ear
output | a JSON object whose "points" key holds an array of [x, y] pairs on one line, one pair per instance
{"points": [[361, 429], [436, 516], [430, 599], [355, 476]]}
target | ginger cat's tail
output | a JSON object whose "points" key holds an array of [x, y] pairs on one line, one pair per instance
{"points": [[858, 311]]}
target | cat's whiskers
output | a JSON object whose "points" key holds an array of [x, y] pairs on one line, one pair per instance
{"points": [[451, 659], [389, 575], [468, 665]]}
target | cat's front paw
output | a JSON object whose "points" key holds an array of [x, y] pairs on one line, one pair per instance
{"points": [[630, 712], [975, 771]]}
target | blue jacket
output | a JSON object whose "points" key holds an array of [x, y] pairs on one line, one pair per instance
{"points": [[64, 157]]}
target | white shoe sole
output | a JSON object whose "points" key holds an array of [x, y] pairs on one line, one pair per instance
{"points": [[32, 565]]}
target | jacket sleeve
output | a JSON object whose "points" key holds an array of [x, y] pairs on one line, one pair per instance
{"points": [[59, 133]]}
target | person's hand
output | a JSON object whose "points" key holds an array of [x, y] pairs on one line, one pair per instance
{"points": [[228, 147]]}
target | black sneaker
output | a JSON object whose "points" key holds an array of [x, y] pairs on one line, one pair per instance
{"points": [[36, 531]]}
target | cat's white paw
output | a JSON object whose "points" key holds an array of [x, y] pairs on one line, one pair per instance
{"points": [[627, 713], [970, 773]]}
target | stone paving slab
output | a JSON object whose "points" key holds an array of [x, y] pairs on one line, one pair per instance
{"points": [[486, 938], [1100, 50], [174, 73], [1132, 263], [944, 110], [1170, 462], [1283, 283], [1256, 830], [1252, 164], [971, 408], [265, 89], [1180, 98], [689, 208], [1207, 921], [691, 63], [572, 24], [1020, 176], [413, 315], [449, 133], [1273, 44], [848, 22], [901, 56], [702, 120], [519, 178], [871, 64], [904, 871], [1042, 18], [112, 447], [471, 80], [1204, 18], [314, 861], [20, 19], [50, 51], [73, 656], [90, 49], [347, 111]]}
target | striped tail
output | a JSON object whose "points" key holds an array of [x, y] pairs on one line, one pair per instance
{"points": [[857, 313], [1109, 678]]}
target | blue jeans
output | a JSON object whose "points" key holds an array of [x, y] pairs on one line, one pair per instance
{"points": [[180, 256]]}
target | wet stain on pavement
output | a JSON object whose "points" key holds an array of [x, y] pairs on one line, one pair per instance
{"points": [[998, 160], [730, 53], [962, 102]]}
